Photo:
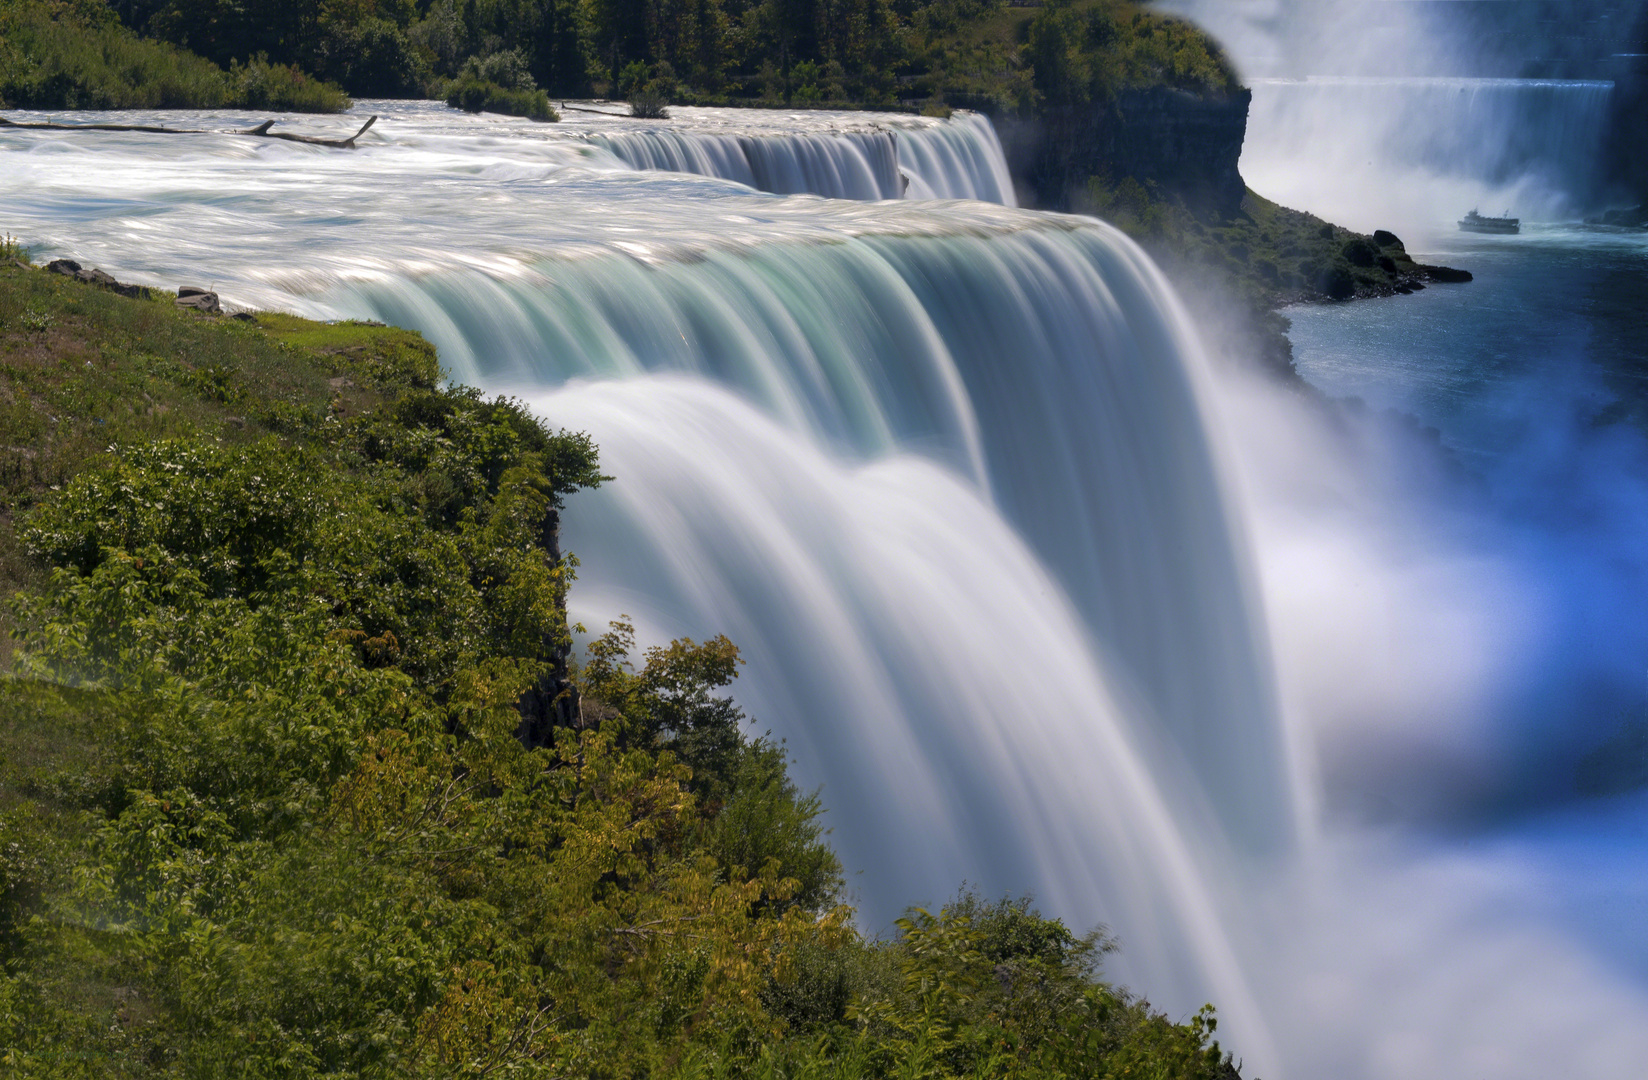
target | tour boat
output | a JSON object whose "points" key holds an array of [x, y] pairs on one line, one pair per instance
{"points": [[1475, 222]]}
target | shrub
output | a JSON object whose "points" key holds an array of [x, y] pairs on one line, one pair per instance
{"points": [[1359, 252], [649, 104], [649, 93], [476, 95], [1337, 283], [507, 69], [259, 84]]}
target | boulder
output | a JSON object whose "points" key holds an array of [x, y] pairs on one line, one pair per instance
{"points": [[1445, 274], [201, 301], [1387, 239], [70, 268]]}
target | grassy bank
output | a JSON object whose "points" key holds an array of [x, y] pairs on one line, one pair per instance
{"points": [[298, 777]]}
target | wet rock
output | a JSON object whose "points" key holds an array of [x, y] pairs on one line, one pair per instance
{"points": [[1445, 274]]}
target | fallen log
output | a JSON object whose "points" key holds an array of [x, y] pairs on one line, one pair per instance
{"points": [[101, 127], [316, 140], [261, 131]]}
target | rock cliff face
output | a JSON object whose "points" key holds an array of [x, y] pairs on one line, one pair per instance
{"points": [[1178, 143]]}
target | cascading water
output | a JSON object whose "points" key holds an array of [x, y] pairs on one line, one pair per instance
{"points": [[1405, 114], [950, 344], [845, 157], [945, 472], [1530, 143]]}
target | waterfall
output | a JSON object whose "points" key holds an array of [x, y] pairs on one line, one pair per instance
{"points": [[849, 165], [1049, 366], [1404, 114], [958, 159], [953, 475], [946, 472], [1539, 140]]}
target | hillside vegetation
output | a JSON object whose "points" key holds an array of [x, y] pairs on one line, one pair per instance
{"points": [[75, 54], [299, 778], [881, 53]]}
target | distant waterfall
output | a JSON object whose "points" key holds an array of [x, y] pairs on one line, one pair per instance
{"points": [[955, 159], [1491, 130]]}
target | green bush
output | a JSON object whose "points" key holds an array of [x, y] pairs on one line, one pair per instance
{"points": [[475, 95]]}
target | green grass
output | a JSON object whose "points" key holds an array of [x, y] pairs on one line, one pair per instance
{"points": [[82, 369]]}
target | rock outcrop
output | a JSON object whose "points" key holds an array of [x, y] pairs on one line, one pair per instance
{"points": [[70, 268], [1175, 143]]}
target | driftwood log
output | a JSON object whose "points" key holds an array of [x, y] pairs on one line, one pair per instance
{"points": [[261, 131]]}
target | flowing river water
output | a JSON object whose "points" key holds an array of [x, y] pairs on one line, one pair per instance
{"points": [[1040, 600]]}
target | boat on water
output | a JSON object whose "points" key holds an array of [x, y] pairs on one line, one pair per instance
{"points": [[1475, 222]]}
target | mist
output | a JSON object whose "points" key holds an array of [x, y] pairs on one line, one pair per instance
{"points": [[1404, 115]]}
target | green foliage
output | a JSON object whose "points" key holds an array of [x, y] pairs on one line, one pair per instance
{"points": [[754, 814], [474, 95], [648, 92], [996, 989], [74, 54], [496, 55], [1086, 53]]}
